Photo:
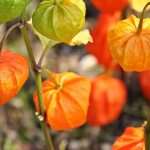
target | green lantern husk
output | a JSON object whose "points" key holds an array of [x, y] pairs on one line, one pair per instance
{"points": [[59, 20]]}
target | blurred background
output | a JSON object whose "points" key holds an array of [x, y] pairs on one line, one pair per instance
{"points": [[19, 128]]}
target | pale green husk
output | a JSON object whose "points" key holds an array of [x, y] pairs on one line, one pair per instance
{"points": [[59, 20]]}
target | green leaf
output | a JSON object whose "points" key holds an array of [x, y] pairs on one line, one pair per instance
{"points": [[83, 37], [11, 9]]}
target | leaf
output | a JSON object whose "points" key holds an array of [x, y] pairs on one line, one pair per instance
{"points": [[11, 9], [83, 37]]}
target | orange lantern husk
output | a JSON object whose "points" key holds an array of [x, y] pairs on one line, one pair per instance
{"points": [[131, 139], [66, 97], [130, 48], [14, 71], [108, 96], [110, 6], [144, 79], [100, 47]]}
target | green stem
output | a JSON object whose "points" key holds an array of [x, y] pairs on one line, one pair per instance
{"points": [[7, 33], [147, 138], [147, 131], [147, 127], [38, 81], [28, 46], [139, 30], [49, 45]]}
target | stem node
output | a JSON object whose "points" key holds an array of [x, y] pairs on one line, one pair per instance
{"points": [[37, 68]]}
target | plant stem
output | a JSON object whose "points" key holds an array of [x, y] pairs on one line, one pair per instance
{"points": [[6, 35], [49, 45], [147, 137], [38, 82], [28, 46], [141, 18], [147, 131], [44, 126], [147, 127]]}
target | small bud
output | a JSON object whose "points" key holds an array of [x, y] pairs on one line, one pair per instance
{"points": [[41, 118], [37, 113], [11, 9], [59, 20], [144, 124]]}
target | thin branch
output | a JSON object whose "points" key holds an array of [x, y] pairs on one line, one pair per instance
{"points": [[142, 18], [7, 33]]}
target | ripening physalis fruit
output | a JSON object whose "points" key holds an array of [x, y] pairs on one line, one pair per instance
{"points": [[144, 79], [14, 72], [108, 96], [59, 20], [10, 9], [129, 45], [110, 6], [131, 139], [66, 97], [100, 47]]}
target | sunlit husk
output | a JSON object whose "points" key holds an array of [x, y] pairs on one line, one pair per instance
{"points": [[66, 98], [129, 48], [14, 72], [131, 139]]}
